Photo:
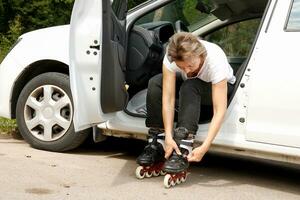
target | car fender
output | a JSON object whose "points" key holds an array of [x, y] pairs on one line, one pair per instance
{"points": [[44, 44]]}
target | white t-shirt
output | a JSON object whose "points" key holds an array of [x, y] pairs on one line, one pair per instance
{"points": [[215, 67]]}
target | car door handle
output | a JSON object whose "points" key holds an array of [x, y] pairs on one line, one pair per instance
{"points": [[95, 47]]}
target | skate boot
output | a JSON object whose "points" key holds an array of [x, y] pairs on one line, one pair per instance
{"points": [[152, 158], [176, 166]]}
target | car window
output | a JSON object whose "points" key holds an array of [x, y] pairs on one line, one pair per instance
{"points": [[293, 23], [235, 39], [184, 10]]}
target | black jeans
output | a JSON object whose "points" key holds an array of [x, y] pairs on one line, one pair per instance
{"points": [[190, 95]]}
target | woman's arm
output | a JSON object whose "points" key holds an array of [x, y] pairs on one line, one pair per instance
{"points": [[219, 99], [168, 100], [168, 107]]}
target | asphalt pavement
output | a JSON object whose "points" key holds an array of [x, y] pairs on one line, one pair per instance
{"points": [[106, 171]]}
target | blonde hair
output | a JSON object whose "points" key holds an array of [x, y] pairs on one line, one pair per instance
{"points": [[185, 45]]}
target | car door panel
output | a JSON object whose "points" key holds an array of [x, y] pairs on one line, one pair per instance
{"points": [[96, 76], [273, 110]]}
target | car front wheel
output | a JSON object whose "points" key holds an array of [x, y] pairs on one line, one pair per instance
{"points": [[45, 114]]}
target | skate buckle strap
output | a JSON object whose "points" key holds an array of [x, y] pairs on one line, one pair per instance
{"points": [[187, 144], [160, 138]]}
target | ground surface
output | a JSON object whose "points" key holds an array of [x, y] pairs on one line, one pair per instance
{"points": [[106, 171]]}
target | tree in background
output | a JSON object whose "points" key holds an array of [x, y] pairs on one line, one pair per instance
{"points": [[5, 15], [236, 39], [2, 15], [7, 40], [40, 14]]}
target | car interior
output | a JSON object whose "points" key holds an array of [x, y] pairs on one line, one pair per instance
{"points": [[149, 37]]}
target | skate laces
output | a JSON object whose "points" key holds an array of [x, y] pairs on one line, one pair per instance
{"points": [[156, 136], [149, 150]]}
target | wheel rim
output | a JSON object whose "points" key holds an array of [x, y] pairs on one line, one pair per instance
{"points": [[48, 113]]}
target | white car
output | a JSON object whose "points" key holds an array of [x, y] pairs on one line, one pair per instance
{"points": [[61, 81]]}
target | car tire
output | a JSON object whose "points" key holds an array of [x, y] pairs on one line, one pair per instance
{"points": [[45, 114]]}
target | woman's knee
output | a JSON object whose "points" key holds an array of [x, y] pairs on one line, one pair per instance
{"points": [[190, 86]]}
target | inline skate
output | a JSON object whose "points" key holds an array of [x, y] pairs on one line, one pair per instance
{"points": [[152, 159], [176, 166]]}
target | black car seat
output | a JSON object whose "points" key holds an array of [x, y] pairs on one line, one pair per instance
{"points": [[144, 58]]}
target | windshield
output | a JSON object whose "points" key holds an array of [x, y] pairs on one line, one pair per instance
{"points": [[184, 10]]}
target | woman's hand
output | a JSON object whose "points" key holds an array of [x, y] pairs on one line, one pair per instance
{"points": [[170, 145], [197, 154]]}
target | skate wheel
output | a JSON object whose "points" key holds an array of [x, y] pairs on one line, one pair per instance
{"points": [[155, 173], [149, 174], [173, 182], [139, 172], [163, 172], [178, 180], [167, 181], [183, 179]]}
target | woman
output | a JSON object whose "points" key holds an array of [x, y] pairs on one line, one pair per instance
{"points": [[198, 73]]}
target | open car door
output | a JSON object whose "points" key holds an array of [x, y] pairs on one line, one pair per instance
{"points": [[97, 60]]}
